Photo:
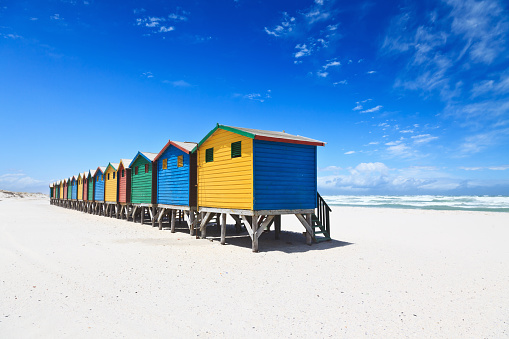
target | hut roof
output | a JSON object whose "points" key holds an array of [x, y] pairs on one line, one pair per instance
{"points": [[101, 169], [51, 185], [125, 162], [147, 155], [114, 165], [264, 135], [184, 146]]}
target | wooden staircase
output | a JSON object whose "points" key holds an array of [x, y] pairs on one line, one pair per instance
{"points": [[321, 220]]}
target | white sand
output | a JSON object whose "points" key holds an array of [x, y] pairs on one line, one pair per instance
{"points": [[389, 273]]}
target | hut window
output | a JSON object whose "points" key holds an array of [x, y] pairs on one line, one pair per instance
{"points": [[165, 164], [136, 170], [236, 149], [146, 168], [180, 161], [108, 176], [114, 175], [209, 154], [123, 173]]}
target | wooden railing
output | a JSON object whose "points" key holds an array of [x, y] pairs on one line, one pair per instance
{"points": [[322, 212]]}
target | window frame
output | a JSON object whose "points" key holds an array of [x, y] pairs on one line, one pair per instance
{"points": [[239, 143], [209, 154]]}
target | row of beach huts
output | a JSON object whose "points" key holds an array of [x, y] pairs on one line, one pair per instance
{"points": [[254, 176]]}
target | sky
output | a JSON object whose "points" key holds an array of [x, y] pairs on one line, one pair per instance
{"points": [[411, 97]]}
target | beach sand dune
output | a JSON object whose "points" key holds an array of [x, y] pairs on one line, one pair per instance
{"points": [[387, 273]]}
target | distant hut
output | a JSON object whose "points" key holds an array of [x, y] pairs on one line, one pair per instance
{"points": [[256, 176], [57, 192], [176, 182], [69, 192], [85, 187], [124, 187], [51, 193], [143, 186], [74, 192], [79, 195], [63, 191], [99, 190], [110, 189], [90, 191]]}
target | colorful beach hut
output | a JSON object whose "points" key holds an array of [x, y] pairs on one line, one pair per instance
{"points": [[63, 192], [176, 182], [124, 187], [85, 187], [257, 175], [143, 186], [90, 191], [51, 193], [99, 190], [69, 191], [110, 189]]}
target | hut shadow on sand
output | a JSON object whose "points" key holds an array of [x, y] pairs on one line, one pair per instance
{"points": [[288, 242]]}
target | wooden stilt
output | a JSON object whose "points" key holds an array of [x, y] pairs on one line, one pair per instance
{"points": [[223, 228], [142, 215], [255, 234], [152, 211], [173, 216], [277, 226]]}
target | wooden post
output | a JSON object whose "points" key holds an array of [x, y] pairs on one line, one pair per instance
{"points": [[223, 228], [309, 237], [142, 215], [160, 218], [173, 216], [277, 226], [191, 221], [153, 216], [254, 225]]}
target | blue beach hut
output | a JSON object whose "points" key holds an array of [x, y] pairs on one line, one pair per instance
{"points": [[176, 181]]}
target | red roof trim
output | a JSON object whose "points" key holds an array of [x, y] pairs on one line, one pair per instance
{"points": [[289, 141], [168, 145]]}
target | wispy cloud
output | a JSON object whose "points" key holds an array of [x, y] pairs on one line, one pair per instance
{"points": [[342, 82], [303, 50], [158, 24], [349, 152], [374, 109], [423, 138], [286, 26], [18, 181], [147, 75], [178, 83], [256, 96]]}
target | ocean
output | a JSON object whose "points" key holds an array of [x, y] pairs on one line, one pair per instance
{"points": [[425, 202]]}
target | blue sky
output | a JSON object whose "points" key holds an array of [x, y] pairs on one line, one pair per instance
{"points": [[411, 97]]}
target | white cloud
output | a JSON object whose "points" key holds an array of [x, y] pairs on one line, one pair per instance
{"points": [[10, 36], [332, 63], [374, 109], [164, 29], [423, 138], [18, 181], [287, 26], [358, 107], [178, 83], [147, 75], [371, 72], [303, 50], [342, 82], [322, 74], [55, 17], [349, 152]]}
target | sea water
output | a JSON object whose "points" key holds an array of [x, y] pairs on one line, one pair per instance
{"points": [[426, 202]]}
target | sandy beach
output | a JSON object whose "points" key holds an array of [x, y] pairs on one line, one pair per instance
{"points": [[387, 273]]}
